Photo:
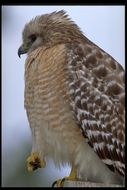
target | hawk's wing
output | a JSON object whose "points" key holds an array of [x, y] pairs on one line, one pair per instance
{"points": [[96, 86]]}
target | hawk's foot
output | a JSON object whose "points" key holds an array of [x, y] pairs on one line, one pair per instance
{"points": [[34, 162], [71, 177]]}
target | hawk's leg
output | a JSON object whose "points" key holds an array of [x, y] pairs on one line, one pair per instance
{"points": [[71, 177], [34, 162]]}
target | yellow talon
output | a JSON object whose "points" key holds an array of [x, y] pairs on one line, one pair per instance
{"points": [[71, 177], [34, 162]]}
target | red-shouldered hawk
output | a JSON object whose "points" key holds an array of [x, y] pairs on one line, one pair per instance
{"points": [[74, 98]]}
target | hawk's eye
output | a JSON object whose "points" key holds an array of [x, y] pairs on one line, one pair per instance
{"points": [[33, 37]]}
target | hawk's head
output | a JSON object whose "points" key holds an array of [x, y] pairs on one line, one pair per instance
{"points": [[49, 30]]}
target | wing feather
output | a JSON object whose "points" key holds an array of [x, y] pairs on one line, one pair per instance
{"points": [[97, 90]]}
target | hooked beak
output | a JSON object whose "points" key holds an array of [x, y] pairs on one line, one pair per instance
{"points": [[22, 50]]}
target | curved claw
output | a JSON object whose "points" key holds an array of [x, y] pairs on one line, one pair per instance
{"points": [[72, 177], [54, 183], [59, 182]]}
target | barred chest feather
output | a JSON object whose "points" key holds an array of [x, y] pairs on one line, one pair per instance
{"points": [[52, 122]]}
